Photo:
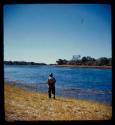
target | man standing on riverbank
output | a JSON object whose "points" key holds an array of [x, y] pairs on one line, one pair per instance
{"points": [[51, 85]]}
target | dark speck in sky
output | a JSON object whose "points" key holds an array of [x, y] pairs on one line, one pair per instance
{"points": [[82, 21]]}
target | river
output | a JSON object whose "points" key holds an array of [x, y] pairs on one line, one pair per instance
{"points": [[83, 83]]}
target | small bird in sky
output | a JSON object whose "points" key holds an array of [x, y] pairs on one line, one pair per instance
{"points": [[82, 21]]}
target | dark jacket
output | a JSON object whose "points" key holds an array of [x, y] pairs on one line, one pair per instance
{"points": [[51, 81]]}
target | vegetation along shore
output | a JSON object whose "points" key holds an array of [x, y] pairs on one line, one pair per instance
{"points": [[86, 66], [86, 62], [21, 104]]}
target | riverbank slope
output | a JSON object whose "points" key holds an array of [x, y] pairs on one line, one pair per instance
{"points": [[21, 104], [86, 66]]}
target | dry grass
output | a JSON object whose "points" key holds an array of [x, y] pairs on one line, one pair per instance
{"points": [[23, 105]]}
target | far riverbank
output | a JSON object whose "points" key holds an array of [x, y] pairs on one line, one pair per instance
{"points": [[86, 66]]}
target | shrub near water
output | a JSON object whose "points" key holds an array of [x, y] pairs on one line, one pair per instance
{"points": [[21, 104]]}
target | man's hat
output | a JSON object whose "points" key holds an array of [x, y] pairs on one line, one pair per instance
{"points": [[51, 74]]}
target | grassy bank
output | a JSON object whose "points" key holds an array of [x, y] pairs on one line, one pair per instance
{"points": [[21, 104], [86, 66]]}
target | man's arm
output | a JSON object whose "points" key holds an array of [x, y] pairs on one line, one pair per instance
{"points": [[54, 80]]}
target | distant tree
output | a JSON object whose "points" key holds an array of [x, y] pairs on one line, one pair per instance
{"points": [[84, 59], [90, 60], [103, 61], [76, 57], [10, 62], [61, 61], [32, 63], [110, 61]]}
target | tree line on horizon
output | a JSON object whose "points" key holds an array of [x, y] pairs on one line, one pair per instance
{"points": [[86, 60], [22, 63]]}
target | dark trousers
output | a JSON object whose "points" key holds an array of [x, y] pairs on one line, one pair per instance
{"points": [[51, 90]]}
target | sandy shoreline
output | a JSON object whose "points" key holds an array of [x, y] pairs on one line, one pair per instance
{"points": [[76, 93], [21, 104], [86, 66]]}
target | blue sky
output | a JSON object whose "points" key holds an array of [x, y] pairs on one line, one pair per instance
{"points": [[47, 32]]}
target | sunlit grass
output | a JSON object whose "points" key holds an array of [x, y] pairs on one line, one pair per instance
{"points": [[21, 104]]}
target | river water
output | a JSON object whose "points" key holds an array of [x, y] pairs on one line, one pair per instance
{"points": [[83, 83]]}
